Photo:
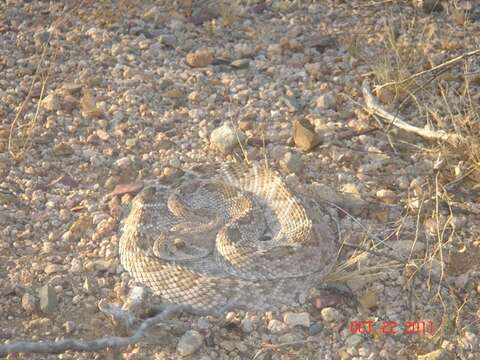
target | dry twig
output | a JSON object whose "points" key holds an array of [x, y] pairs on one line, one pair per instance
{"points": [[433, 69], [374, 107], [53, 347]]}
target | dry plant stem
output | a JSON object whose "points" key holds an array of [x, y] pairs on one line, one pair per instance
{"points": [[433, 69], [52, 347], [423, 274], [18, 155], [374, 107]]}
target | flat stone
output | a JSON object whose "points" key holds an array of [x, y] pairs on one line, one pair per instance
{"points": [[168, 40], [189, 343], [71, 88], [240, 64], [199, 58], [48, 299], [297, 319], [304, 135]]}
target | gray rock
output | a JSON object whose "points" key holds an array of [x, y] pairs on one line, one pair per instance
{"points": [[225, 138], [292, 162], [168, 40], [189, 343], [315, 328], [354, 340], [48, 299], [326, 101], [293, 319], [203, 323], [247, 325], [289, 338]]}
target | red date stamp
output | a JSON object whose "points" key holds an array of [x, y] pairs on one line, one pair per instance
{"points": [[409, 327]]}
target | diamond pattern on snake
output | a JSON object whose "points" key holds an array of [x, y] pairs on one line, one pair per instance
{"points": [[237, 239]]}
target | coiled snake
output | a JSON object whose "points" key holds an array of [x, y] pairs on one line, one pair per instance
{"points": [[237, 239]]}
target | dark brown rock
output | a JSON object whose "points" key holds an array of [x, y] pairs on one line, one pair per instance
{"points": [[304, 135]]}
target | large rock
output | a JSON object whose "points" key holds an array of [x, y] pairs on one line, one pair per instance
{"points": [[293, 319], [304, 135], [225, 138]]}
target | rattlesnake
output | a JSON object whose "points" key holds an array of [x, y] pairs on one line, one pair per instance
{"points": [[237, 239]]}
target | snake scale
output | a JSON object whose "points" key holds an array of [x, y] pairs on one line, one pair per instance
{"points": [[238, 239]]}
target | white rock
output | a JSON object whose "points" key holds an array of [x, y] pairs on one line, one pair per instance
{"points": [[330, 314], [276, 326], [293, 319], [123, 163], [189, 343], [225, 138]]}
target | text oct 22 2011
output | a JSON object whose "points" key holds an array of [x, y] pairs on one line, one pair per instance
{"points": [[389, 327]]}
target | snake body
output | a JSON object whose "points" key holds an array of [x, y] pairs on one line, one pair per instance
{"points": [[238, 239]]}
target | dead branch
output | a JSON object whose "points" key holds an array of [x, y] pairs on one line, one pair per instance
{"points": [[374, 107], [433, 69], [53, 347]]}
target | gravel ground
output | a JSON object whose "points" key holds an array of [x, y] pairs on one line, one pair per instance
{"points": [[112, 96]]}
